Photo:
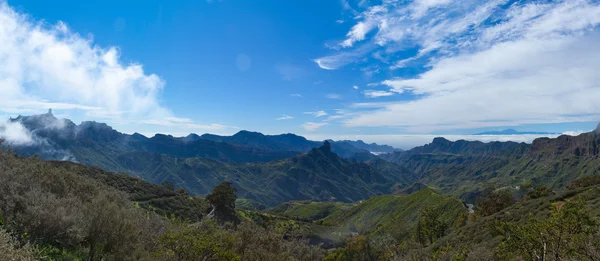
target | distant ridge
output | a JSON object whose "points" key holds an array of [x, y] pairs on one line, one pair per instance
{"points": [[515, 132]]}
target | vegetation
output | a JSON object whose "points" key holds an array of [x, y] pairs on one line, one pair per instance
{"points": [[494, 201], [308, 210], [467, 168], [318, 175], [334, 209], [397, 216], [65, 211], [431, 227], [569, 232], [223, 199]]}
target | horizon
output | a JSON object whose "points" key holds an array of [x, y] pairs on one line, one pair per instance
{"points": [[383, 72], [399, 141]]}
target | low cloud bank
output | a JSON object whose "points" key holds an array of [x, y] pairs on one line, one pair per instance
{"points": [[409, 141]]}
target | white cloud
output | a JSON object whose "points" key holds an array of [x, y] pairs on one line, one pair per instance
{"points": [[483, 63], [49, 66], [377, 94], [316, 113], [338, 60], [296, 95], [285, 117], [15, 134], [334, 96], [369, 22], [355, 87], [313, 126]]}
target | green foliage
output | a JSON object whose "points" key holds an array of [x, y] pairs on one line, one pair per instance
{"points": [[430, 227], [396, 215], [493, 201], [358, 248], [584, 182], [223, 199], [249, 204], [202, 242], [208, 241], [308, 210], [565, 234], [539, 191]]}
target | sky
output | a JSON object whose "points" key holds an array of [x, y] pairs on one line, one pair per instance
{"points": [[396, 72]]}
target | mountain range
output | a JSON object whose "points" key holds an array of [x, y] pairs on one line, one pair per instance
{"points": [[515, 132], [466, 168], [267, 168], [272, 169]]}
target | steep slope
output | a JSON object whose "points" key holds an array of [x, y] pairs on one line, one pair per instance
{"points": [[394, 214], [478, 233], [373, 147], [149, 196], [317, 175], [464, 168]]}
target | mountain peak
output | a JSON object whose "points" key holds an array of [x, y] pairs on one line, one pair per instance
{"points": [[326, 146], [440, 140]]}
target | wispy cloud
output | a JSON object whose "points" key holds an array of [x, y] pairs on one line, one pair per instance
{"points": [[334, 96], [481, 63], [355, 87], [377, 94], [296, 95], [313, 126], [316, 113], [338, 60], [284, 117]]}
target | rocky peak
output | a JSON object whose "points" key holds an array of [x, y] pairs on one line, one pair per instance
{"points": [[326, 147]]}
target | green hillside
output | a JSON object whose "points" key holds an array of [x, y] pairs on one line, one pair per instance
{"points": [[308, 210], [466, 168], [319, 175], [397, 215]]}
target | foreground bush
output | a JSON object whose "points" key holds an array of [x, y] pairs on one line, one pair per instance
{"points": [[11, 251]]}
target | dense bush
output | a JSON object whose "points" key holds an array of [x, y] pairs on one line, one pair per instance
{"points": [[493, 201], [10, 249], [76, 215]]}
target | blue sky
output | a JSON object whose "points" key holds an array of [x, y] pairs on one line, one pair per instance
{"points": [[326, 68]]}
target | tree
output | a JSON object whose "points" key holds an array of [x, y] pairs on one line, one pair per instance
{"points": [[430, 226], [110, 228], [493, 201], [223, 199], [539, 191]]}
